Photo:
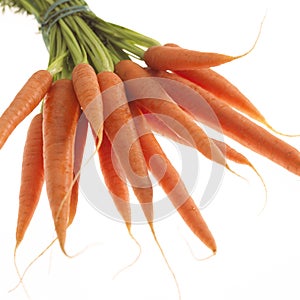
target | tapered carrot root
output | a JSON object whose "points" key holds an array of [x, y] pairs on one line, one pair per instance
{"points": [[24, 103], [171, 58], [79, 145], [171, 182], [61, 112], [121, 132], [168, 57], [115, 180], [32, 177], [235, 125]]}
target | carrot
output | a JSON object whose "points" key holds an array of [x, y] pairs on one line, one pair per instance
{"points": [[218, 85], [61, 112], [168, 57], [121, 132], [32, 177], [80, 141], [234, 124], [115, 180], [175, 58], [24, 103], [151, 96], [89, 96], [171, 182]]}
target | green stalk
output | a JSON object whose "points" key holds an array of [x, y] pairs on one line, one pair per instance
{"points": [[73, 34], [72, 43]]}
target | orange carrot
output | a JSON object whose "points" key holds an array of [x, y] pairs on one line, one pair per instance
{"points": [[171, 182], [234, 124], [175, 58], [218, 85], [89, 96], [60, 115], [121, 131], [80, 141], [152, 97], [115, 180], [32, 177], [24, 103]]}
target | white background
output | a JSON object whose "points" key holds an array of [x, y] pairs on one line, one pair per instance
{"points": [[258, 255]]}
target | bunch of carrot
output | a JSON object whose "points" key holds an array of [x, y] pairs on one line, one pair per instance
{"points": [[125, 103]]}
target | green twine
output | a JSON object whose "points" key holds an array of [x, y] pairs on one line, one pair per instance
{"points": [[50, 17]]}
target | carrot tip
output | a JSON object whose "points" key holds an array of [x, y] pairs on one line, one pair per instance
{"points": [[280, 133]]}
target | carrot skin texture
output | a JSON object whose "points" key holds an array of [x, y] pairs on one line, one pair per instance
{"points": [[114, 180], [29, 96], [32, 176], [61, 112], [171, 182], [223, 89], [80, 141], [239, 127], [176, 58], [88, 93], [121, 132]]}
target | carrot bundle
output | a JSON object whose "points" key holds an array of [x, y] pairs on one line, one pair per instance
{"points": [[91, 72], [110, 102]]}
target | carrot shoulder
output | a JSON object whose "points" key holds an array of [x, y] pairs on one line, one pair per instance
{"points": [[88, 94], [24, 103], [32, 176], [60, 115]]}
